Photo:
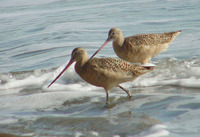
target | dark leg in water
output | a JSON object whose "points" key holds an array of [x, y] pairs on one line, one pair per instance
{"points": [[126, 91]]}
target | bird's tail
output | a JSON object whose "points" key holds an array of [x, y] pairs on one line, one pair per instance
{"points": [[149, 67]]}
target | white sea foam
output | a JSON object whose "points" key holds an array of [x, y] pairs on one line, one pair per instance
{"points": [[158, 130], [31, 81], [41, 100], [5, 121], [172, 72], [184, 74], [70, 86]]}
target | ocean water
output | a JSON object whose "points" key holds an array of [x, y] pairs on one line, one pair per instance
{"points": [[36, 40]]}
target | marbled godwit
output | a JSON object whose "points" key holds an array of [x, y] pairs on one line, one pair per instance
{"points": [[139, 48], [103, 72]]}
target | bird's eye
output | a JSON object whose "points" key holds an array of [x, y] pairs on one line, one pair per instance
{"points": [[113, 33]]}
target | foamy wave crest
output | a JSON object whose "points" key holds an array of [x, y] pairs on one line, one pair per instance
{"points": [[185, 73], [42, 78], [158, 130]]}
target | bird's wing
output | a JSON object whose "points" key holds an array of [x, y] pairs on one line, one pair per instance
{"points": [[152, 44], [112, 65], [152, 39]]}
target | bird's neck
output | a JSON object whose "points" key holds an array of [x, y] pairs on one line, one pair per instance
{"points": [[119, 41], [82, 61], [79, 67]]}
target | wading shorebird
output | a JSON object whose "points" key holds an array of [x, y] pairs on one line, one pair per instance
{"points": [[104, 72], [139, 48]]}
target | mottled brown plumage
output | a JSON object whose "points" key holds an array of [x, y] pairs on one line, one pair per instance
{"points": [[139, 48], [104, 72]]}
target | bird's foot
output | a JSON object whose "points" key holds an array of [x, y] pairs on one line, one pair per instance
{"points": [[108, 105], [130, 97]]}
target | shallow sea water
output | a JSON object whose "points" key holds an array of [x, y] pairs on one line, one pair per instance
{"points": [[36, 40]]}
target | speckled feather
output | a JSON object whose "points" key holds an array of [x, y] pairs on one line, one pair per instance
{"points": [[118, 65], [153, 39]]}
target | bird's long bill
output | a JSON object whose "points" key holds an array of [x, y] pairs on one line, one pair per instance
{"points": [[106, 42], [70, 62]]}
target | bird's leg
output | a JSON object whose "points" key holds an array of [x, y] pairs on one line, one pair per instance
{"points": [[107, 97], [126, 91]]}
